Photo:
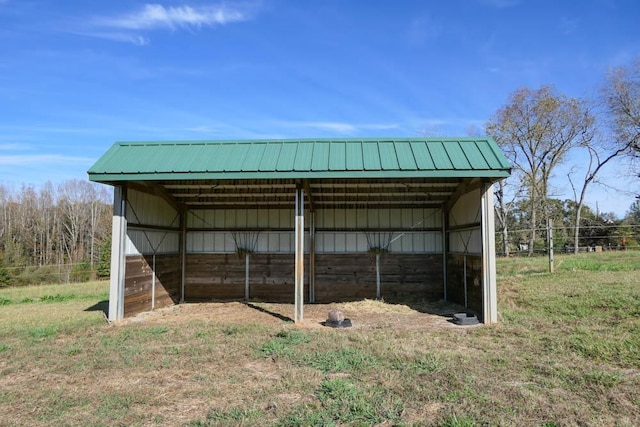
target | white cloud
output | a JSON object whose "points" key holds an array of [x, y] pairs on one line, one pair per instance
{"points": [[135, 39], [337, 127], [158, 16]]}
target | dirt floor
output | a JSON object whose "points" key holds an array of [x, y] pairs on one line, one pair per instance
{"points": [[365, 314]]}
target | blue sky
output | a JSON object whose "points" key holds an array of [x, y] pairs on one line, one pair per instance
{"points": [[75, 76]]}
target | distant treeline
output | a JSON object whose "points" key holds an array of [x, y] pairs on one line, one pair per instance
{"points": [[54, 233]]}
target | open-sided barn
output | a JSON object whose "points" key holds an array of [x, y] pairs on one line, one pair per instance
{"points": [[315, 220]]}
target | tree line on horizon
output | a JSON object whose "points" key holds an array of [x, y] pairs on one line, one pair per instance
{"points": [[54, 234]]}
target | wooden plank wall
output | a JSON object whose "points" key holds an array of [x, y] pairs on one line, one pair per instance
{"points": [[455, 281], [339, 277], [139, 280]]}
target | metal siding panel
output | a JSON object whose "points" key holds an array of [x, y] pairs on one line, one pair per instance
{"points": [[473, 155], [395, 217], [373, 218], [200, 158], [406, 218], [351, 243], [215, 218], [252, 162], [219, 158], [371, 156], [237, 154], [340, 242], [337, 156], [458, 159], [287, 157], [388, 156], [320, 160], [354, 156], [406, 160], [286, 218], [439, 155], [422, 156], [340, 218], [208, 242], [270, 157], [252, 218], [304, 156], [384, 218], [263, 218], [363, 246], [488, 154]]}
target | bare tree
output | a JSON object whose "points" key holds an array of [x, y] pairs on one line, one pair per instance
{"points": [[537, 128], [621, 94]]}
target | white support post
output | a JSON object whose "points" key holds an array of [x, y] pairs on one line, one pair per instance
{"points": [[246, 277], [312, 257], [464, 270], [378, 292], [299, 257], [118, 239], [445, 249], [489, 288], [153, 282], [183, 253]]}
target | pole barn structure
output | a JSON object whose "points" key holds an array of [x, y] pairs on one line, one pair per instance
{"points": [[312, 220]]}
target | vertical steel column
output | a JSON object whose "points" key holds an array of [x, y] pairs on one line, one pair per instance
{"points": [[312, 257], [183, 253], [489, 288], [299, 257], [378, 292], [153, 281], [118, 241], [246, 277], [445, 249]]}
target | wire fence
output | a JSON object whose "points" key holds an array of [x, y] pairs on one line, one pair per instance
{"points": [[592, 239], [52, 274]]}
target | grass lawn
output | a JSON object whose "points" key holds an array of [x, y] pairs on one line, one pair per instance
{"points": [[566, 352]]}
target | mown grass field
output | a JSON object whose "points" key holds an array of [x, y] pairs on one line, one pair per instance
{"points": [[566, 352]]}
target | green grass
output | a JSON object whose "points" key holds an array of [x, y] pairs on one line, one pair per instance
{"points": [[566, 351]]}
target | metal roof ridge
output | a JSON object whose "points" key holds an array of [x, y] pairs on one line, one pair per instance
{"points": [[298, 140]]}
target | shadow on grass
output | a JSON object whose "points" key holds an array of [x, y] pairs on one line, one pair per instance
{"points": [[102, 306], [271, 313]]}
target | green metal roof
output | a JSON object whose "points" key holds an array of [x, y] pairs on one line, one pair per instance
{"points": [[302, 158]]}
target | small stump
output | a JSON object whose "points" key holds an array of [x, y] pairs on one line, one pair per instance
{"points": [[465, 319], [336, 320]]}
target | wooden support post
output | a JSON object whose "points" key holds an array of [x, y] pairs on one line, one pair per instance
{"points": [[118, 240], [299, 257], [550, 243]]}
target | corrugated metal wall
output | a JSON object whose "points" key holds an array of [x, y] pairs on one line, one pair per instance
{"points": [[147, 210], [466, 212], [143, 208], [412, 240]]}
